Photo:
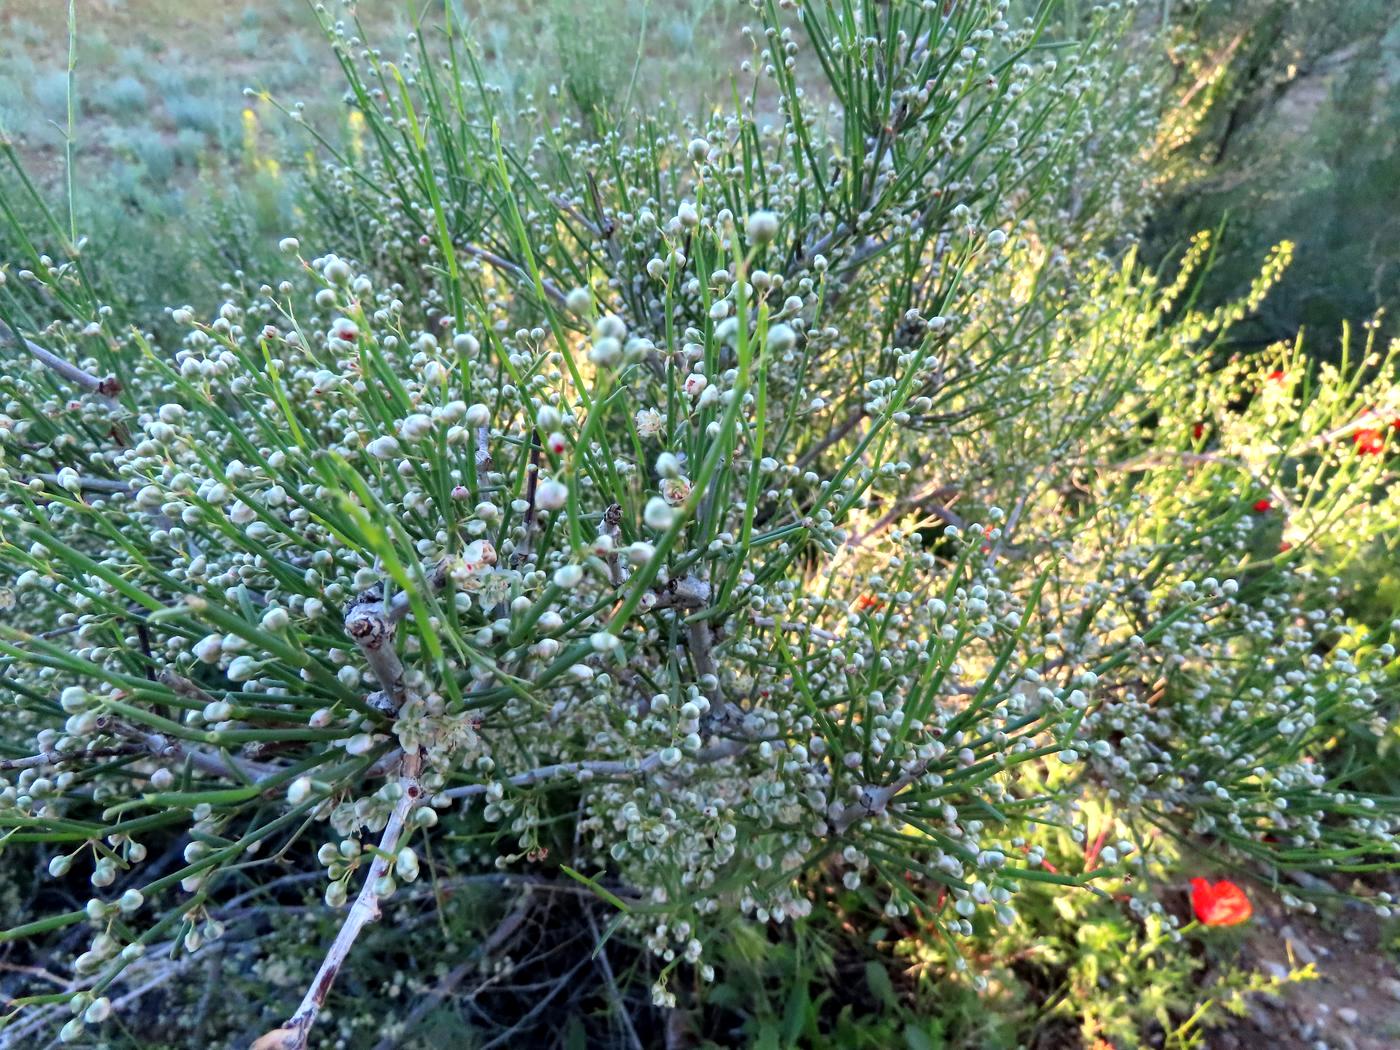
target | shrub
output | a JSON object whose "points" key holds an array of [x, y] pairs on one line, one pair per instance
{"points": [[126, 94], [688, 512]]}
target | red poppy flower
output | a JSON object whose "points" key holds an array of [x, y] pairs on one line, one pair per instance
{"points": [[1219, 904], [1263, 506], [1369, 442]]}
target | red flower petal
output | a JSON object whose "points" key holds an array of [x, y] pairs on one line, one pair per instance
{"points": [[1219, 904]]}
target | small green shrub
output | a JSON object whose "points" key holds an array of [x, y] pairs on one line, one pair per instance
{"points": [[125, 95]]}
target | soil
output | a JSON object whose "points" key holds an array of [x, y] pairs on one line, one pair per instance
{"points": [[1354, 1004]]}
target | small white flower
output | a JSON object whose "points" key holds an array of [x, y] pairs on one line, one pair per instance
{"points": [[675, 491]]}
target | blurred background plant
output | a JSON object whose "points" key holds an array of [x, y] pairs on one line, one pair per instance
{"points": [[1296, 105]]}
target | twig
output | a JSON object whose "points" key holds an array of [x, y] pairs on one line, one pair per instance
{"points": [[210, 763], [294, 1035], [562, 203], [600, 767], [684, 592], [612, 528], [1015, 518], [611, 981], [517, 271], [791, 625], [559, 985], [105, 390], [702, 644], [532, 482], [929, 498], [1164, 458], [677, 1029], [482, 452], [371, 626], [603, 768], [874, 799], [53, 758], [104, 485], [844, 428], [400, 604]]}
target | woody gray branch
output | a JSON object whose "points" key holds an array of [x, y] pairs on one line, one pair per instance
{"points": [[600, 767], [872, 801], [295, 1034], [517, 271], [104, 390], [370, 625], [620, 768]]}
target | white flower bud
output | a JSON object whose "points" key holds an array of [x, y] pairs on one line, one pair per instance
{"points": [[658, 514], [242, 668], [781, 337], [606, 352], [385, 447], [275, 619], [336, 270], [568, 576], [552, 495], [668, 466], [416, 427], [406, 864], [761, 227], [209, 648], [579, 300]]}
